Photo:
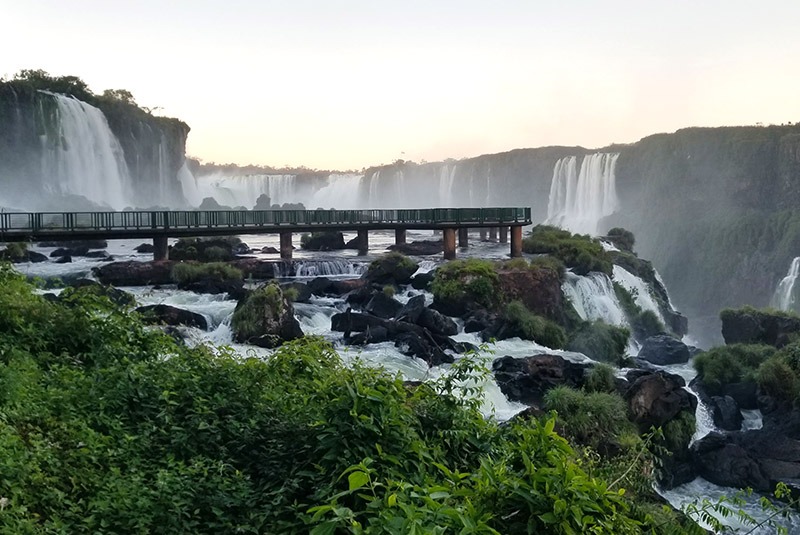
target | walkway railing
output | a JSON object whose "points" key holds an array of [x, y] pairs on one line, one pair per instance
{"points": [[41, 223]]}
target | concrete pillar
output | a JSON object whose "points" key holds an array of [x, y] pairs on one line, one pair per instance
{"points": [[400, 236], [516, 241], [286, 245], [463, 237], [449, 240], [160, 248], [363, 242], [482, 233], [503, 234], [493, 234]]}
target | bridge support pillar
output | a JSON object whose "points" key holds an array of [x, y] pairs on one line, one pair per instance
{"points": [[493, 234], [463, 237], [516, 241], [483, 234], [160, 248], [286, 245], [503, 234], [400, 236], [363, 242], [449, 241]]}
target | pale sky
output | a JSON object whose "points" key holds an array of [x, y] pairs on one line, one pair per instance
{"points": [[348, 84]]}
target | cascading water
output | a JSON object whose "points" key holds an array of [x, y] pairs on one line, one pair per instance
{"points": [[580, 199], [594, 298], [244, 190], [785, 296], [447, 175], [341, 192], [639, 290], [318, 268], [83, 157]]}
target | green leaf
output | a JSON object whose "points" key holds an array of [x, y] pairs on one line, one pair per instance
{"points": [[357, 479]]}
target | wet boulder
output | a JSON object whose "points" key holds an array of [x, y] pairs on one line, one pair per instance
{"points": [[323, 241], [169, 315], [655, 398], [436, 322], [265, 317], [664, 350], [412, 309], [726, 413], [418, 345], [383, 306], [527, 379], [132, 273], [393, 268]]}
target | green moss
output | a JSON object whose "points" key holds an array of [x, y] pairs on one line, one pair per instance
{"points": [[471, 279], [678, 432], [262, 305], [622, 238], [187, 272], [534, 327], [600, 341], [581, 253]]}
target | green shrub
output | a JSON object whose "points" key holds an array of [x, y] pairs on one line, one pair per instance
{"points": [[515, 263], [601, 378], [534, 327], [262, 305], [549, 262], [622, 238], [730, 364], [600, 341], [185, 272], [777, 379], [389, 290], [581, 253], [679, 431], [467, 280], [291, 293], [644, 323], [216, 254], [590, 418]]}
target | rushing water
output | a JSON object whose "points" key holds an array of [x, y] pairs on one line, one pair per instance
{"points": [[785, 296]]}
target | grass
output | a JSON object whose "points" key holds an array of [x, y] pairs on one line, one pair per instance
{"points": [[188, 272]]}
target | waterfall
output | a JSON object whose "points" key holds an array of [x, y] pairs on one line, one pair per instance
{"points": [[318, 268], [244, 190], [340, 192], [579, 199], [785, 297], [447, 174], [594, 298], [639, 290], [83, 157]]}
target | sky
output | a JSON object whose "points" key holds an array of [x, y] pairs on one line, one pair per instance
{"points": [[346, 84]]}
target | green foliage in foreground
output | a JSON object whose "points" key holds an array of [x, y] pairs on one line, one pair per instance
{"points": [[581, 253], [109, 427], [188, 272]]}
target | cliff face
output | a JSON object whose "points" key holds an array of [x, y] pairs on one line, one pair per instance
{"points": [[85, 151], [717, 209]]}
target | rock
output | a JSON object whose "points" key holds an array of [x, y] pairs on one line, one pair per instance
{"points": [[412, 309], [419, 248], [664, 350], [210, 285], [255, 268], [538, 287], [320, 285], [264, 317], [437, 323], [135, 273], [269, 250], [93, 287], [350, 321], [383, 306], [527, 379], [77, 244], [341, 287], [370, 336], [145, 248], [205, 249], [262, 202], [750, 326], [413, 344], [654, 398], [63, 260], [323, 241], [74, 251], [422, 281], [392, 268], [480, 320], [34, 257], [19, 256], [303, 292], [726, 412], [103, 255], [169, 315]]}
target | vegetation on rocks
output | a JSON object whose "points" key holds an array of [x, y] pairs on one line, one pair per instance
{"points": [[644, 323], [723, 365], [600, 341], [186, 272], [107, 426], [471, 280], [530, 326], [581, 253]]}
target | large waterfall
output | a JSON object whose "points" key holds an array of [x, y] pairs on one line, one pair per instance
{"points": [[81, 156], [579, 199], [785, 296]]}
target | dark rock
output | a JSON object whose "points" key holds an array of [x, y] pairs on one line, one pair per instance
{"points": [[664, 350], [745, 394], [727, 414], [262, 202], [93, 287], [103, 255], [64, 251], [145, 248], [479, 320], [654, 398], [414, 344], [350, 321], [412, 309], [437, 323], [19, 257], [269, 250], [341, 287], [303, 291], [419, 248], [422, 281], [750, 326], [63, 260], [527, 379], [392, 268], [383, 306], [77, 244], [538, 288], [323, 241], [370, 336], [320, 285], [135, 273], [232, 287], [169, 315], [265, 319], [255, 268]]}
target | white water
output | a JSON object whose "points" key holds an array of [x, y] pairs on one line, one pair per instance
{"points": [[594, 298], [244, 190], [785, 296], [579, 199], [84, 157], [639, 290], [341, 192]]}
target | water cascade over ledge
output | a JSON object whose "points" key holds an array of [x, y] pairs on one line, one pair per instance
{"points": [[785, 297]]}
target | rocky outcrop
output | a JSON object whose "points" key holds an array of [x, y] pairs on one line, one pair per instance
{"points": [[265, 317], [750, 326], [135, 273], [537, 287], [726, 413], [169, 315], [527, 379], [664, 350], [323, 241], [655, 398], [393, 268], [418, 248]]}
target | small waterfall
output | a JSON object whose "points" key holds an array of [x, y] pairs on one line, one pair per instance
{"points": [[447, 175], [83, 157], [318, 268], [785, 297], [580, 199], [639, 290], [594, 298]]}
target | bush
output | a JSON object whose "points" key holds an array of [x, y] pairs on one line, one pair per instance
{"points": [[644, 323], [600, 341], [581, 253], [601, 378], [533, 327], [262, 305], [549, 262], [777, 379], [389, 290], [622, 238], [730, 364], [216, 254], [219, 271], [470, 280], [679, 431]]}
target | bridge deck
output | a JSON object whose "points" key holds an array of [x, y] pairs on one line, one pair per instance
{"points": [[29, 226]]}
